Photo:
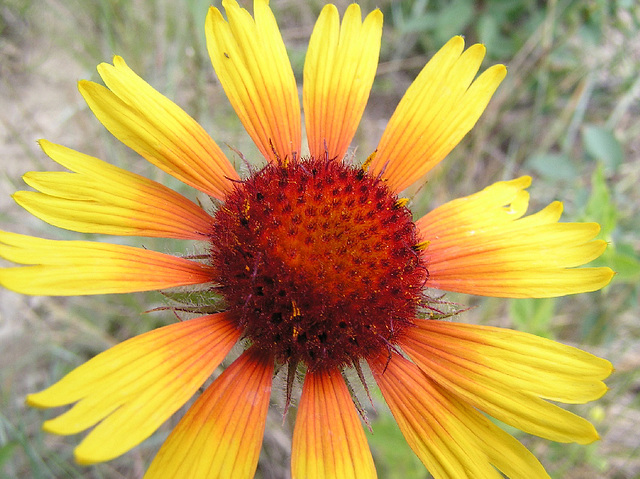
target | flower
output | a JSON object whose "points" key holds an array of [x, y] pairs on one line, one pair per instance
{"points": [[313, 264]]}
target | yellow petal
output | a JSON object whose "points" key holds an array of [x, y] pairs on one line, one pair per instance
{"points": [[328, 440], [503, 393], [339, 70], [63, 268], [451, 438], [520, 361], [135, 386], [221, 434], [436, 112], [252, 65], [481, 244], [101, 198], [157, 129]]}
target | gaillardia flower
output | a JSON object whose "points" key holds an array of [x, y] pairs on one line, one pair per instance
{"points": [[313, 264]]}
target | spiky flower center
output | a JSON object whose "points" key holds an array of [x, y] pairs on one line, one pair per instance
{"points": [[318, 262]]}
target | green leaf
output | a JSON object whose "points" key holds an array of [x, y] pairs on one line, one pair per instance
{"points": [[553, 166], [601, 144], [488, 31], [533, 315], [453, 19], [419, 24], [600, 208], [6, 451], [626, 266]]}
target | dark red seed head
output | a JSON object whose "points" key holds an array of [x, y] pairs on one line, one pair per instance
{"points": [[317, 262]]}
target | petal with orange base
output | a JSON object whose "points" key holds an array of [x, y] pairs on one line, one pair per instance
{"points": [[481, 244], [507, 373], [519, 360], [157, 129], [221, 434], [132, 388], [451, 438], [68, 268], [253, 67], [328, 440], [339, 69], [437, 111], [104, 199]]}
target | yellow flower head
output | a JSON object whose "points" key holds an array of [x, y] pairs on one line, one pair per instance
{"points": [[314, 264]]}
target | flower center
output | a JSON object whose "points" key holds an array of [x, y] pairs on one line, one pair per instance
{"points": [[318, 262]]}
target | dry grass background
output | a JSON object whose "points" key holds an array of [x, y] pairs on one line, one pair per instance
{"points": [[567, 114]]}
